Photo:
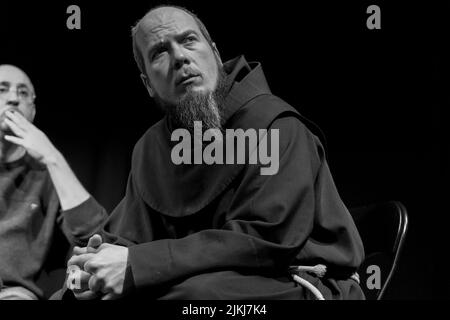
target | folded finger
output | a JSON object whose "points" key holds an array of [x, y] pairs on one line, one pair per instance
{"points": [[79, 250], [86, 295], [95, 284], [14, 139], [110, 296], [18, 119], [14, 128], [80, 260]]}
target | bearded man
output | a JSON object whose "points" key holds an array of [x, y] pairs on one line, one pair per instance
{"points": [[220, 231]]}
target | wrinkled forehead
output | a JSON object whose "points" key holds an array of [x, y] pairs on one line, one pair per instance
{"points": [[162, 23], [14, 76]]}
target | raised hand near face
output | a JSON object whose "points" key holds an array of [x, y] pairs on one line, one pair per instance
{"points": [[28, 136]]}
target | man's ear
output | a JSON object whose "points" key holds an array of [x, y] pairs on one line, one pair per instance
{"points": [[147, 85], [216, 52]]}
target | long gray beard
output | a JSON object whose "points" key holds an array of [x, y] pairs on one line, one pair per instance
{"points": [[194, 106]]}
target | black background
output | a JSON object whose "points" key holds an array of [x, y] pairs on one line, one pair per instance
{"points": [[378, 95]]}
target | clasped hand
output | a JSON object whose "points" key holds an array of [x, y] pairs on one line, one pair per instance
{"points": [[103, 267]]}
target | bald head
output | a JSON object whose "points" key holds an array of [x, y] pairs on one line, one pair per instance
{"points": [[161, 18], [167, 19], [9, 71], [160, 14]]}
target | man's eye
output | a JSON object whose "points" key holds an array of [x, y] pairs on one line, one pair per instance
{"points": [[24, 93], [158, 53], [189, 39], [4, 89]]}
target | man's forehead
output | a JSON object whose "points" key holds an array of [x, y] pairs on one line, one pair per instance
{"points": [[162, 22], [14, 75]]}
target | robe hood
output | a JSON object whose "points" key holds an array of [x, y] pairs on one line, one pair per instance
{"points": [[182, 190]]}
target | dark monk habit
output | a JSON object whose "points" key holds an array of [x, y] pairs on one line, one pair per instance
{"points": [[226, 231]]}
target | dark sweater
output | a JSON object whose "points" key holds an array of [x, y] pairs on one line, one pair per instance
{"points": [[31, 220]]}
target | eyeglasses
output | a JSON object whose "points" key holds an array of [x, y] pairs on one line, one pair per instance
{"points": [[22, 93]]}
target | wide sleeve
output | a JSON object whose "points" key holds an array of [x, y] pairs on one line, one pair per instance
{"points": [[81, 222], [264, 227], [132, 221], [334, 239]]}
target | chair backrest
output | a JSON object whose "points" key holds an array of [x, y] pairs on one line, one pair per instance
{"points": [[382, 228]]}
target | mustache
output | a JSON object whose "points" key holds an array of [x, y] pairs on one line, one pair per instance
{"points": [[186, 73]]}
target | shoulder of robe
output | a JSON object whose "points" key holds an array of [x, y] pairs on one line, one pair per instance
{"points": [[283, 109], [146, 143]]}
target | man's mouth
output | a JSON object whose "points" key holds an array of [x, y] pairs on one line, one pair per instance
{"points": [[184, 80]]}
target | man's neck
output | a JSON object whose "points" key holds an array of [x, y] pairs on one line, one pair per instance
{"points": [[10, 152]]}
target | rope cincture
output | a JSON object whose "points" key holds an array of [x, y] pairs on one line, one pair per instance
{"points": [[319, 271], [355, 276]]}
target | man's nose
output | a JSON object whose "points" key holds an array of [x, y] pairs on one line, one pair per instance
{"points": [[179, 57], [12, 99]]}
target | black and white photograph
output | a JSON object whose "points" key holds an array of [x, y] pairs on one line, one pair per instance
{"points": [[223, 151]]}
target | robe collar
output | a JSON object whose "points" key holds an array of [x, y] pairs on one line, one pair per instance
{"points": [[248, 81]]}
